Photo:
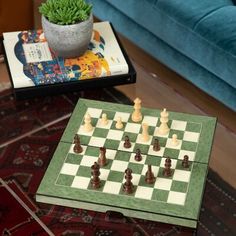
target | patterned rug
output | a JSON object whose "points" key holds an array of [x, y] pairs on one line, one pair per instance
{"points": [[29, 133]]}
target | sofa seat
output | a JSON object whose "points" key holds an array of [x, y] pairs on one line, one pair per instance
{"points": [[195, 39]]}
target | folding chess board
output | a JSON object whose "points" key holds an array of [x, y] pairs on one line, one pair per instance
{"points": [[175, 199]]}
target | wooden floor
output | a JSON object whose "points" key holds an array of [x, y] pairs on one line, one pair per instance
{"points": [[159, 87]]}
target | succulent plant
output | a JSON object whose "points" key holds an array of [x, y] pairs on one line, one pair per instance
{"points": [[66, 12]]}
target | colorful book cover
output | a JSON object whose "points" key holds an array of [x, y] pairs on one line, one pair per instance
{"points": [[33, 63]]}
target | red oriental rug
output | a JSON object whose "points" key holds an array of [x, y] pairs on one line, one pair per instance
{"points": [[29, 133]]}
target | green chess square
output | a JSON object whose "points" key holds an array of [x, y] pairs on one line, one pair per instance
{"points": [[190, 146], [65, 180], [193, 127], [84, 139], [115, 176], [73, 158], [112, 144], [100, 132], [143, 148], [179, 133], [123, 156], [92, 151], [160, 195], [172, 153], [143, 183], [135, 167], [179, 186], [84, 171], [153, 160], [132, 136]]}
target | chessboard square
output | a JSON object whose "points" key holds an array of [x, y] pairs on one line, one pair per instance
{"points": [[92, 151], [122, 148], [69, 169], [143, 147], [111, 154], [178, 125], [112, 187], [176, 198], [77, 154], [102, 126], [179, 133], [190, 154], [135, 179], [182, 175], [159, 153], [173, 163], [84, 171], [150, 120], [144, 192], [73, 159], [172, 153], [136, 168], [104, 173], [88, 160], [80, 182], [119, 165], [155, 170], [153, 160], [97, 141], [94, 112], [132, 127], [191, 136], [156, 133], [99, 132], [169, 144], [132, 136], [112, 144], [132, 158], [189, 146], [179, 186], [140, 140], [115, 176], [81, 131], [162, 183], [64, 180], [124, 116], [160, 195], [84, 139], [115, 134], [194, 127], [123, 156]]}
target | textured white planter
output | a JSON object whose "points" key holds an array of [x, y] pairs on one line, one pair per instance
{"points": [[68, 41]]}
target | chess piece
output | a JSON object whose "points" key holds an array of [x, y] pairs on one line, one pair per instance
{"points": [[136, 115], [102, 160], [164, 129], [175, 141], [167, 171], [95, 172], [185, 162], [145, 135], [119, 124], [128, 185], [127, 143], [138, 156], [156, 145], [77, 147], [87, 123], [149, 176], [104, 119]]}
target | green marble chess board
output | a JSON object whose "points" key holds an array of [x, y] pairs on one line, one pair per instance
{"points": [[175, 199]]}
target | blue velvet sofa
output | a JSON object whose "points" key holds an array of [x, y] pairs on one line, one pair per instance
{"points": [[197, 39]]}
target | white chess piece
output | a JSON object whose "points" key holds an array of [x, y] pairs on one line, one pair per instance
{"points": [[145, 135], [175, 141], [87, 123], [119, 124], [136, 115], [104, 119], [164, 129]]}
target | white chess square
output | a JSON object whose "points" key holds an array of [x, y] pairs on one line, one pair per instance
{"points": [[69, 169], [80, 182], [94, 112], [115, 134], [178, 125], [124, 116], [143, 192], [140, 140], [88, 160], [132, 158], [156, 133], [182, 175], [173, 163], [159, 153], [135, 178], [162, 183], [190, 154], [112, 187], [155, 170], [133, 128], [191, 136], [97, 142], [110, 154], [118, 165], [150, 120], [169, 144], [176, 198], [82, 131], [101, 125], [72, 151], [104, 174]]}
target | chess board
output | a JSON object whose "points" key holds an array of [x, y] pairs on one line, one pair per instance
{"points": [[175, 199]]}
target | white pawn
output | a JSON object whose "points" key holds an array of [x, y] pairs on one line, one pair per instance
{"points": [[87, 123], [175, 141], [119, 124], [145, 135], [104, 119]]}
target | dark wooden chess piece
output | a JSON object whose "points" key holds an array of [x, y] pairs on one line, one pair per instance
{"points": [[77, 147], [149, 176], [95, 172], [127, 143], [167, 171], [185, 162], [138, 156], [102, 160], [156, 145], [128, 185]]}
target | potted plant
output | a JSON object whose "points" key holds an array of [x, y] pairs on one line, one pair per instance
{"points": [[67, 25]]}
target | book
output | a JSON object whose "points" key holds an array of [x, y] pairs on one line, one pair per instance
{"points": [[32, 63]]}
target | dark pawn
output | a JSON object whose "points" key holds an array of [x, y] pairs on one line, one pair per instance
{"points": [[102, 160], [149, 176], [77, 147], [185, 162], [138, 156], [167, 171], [156, 145], [127, 143], [95, 181], [128, 185]]}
